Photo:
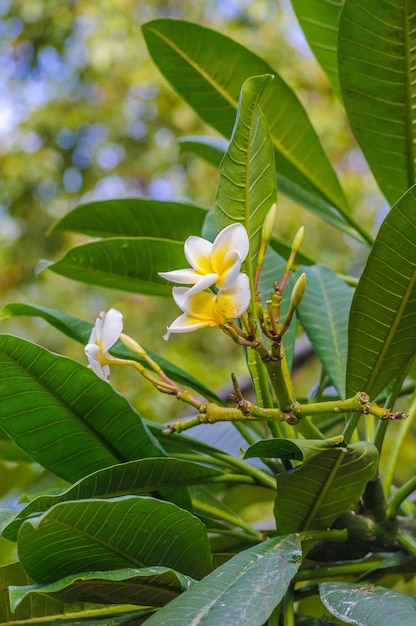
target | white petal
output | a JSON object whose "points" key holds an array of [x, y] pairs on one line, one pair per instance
{"points": [[231, 265], [233, 237], [203, 283], [97, 330], [198, 254], [198, 305], [234, 302], [187, 276], [93, 352], [94, 357], [112, 329], [186, 324]]}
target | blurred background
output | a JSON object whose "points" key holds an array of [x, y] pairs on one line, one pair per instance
{"points": [[85, 115]]}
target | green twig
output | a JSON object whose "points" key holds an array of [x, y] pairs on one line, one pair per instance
{"points": [[400, 495]]}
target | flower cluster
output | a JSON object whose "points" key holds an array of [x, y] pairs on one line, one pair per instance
{"points": [[212, 264]]}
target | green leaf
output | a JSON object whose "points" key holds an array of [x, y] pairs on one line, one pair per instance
{"points": [[122, 532], [324, 487], [134, 477], [49, 403], [134, 217], [205, 82], [297, 449], [79, 330], [243, 591], [247, 180], [366, 605], [149, 586], [382, 326], [130, 264], [41, 610], [376, 65], [211, 149], [319, 22], [323, 313]]}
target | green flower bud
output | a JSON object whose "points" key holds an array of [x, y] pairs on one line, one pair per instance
{"points": [[298, 291]]}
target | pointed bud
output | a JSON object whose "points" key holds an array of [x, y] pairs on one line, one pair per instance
{"points": [[268, 223], [298, 239], [298, 291], [132, 345]]}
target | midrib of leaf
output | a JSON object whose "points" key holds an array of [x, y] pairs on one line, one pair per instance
{"points": [[280, 148], [410, 138], [325, 487], [333, 330], [196, 67], [107, 610], [391, 334]]}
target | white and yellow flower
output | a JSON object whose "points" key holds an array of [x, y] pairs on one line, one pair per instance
{"points": [[218, 263], [204, 308], [107, 329]]}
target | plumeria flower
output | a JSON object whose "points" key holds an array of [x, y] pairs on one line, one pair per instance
{"points": [[204, 308], [106, 331], [217, 263]]}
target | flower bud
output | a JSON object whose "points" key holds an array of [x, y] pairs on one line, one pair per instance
{"points": [[298, 291], [132, 345], [268, 223], [298, 239]]}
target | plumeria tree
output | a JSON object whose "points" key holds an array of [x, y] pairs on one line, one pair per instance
{"points": [[146, 529]]}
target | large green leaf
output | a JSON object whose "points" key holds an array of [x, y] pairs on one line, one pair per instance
{"points": [[319, 22], [134, 217], [376, 49], [243, 591], [129, 531], [366, 605], [209, 77], [148, 586], [128, 263], [247, 180], [326, 485], [42, 611], [134, 477], [49, 403], [323, 313], [382, 326], [80, 331]]}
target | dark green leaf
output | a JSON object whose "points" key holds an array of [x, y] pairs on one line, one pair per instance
{"points": [[326, 485], [366, 605], [205, 81], [323, 313], [135, 477], [376, 46], [149, 586], [80, 331], [297, 449], [247, 180], [134, 217], [382, 326], [243, 591], [211, 149], [319, 21], [49, 403], [38, 610], [112, 534], [130, 264]]}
